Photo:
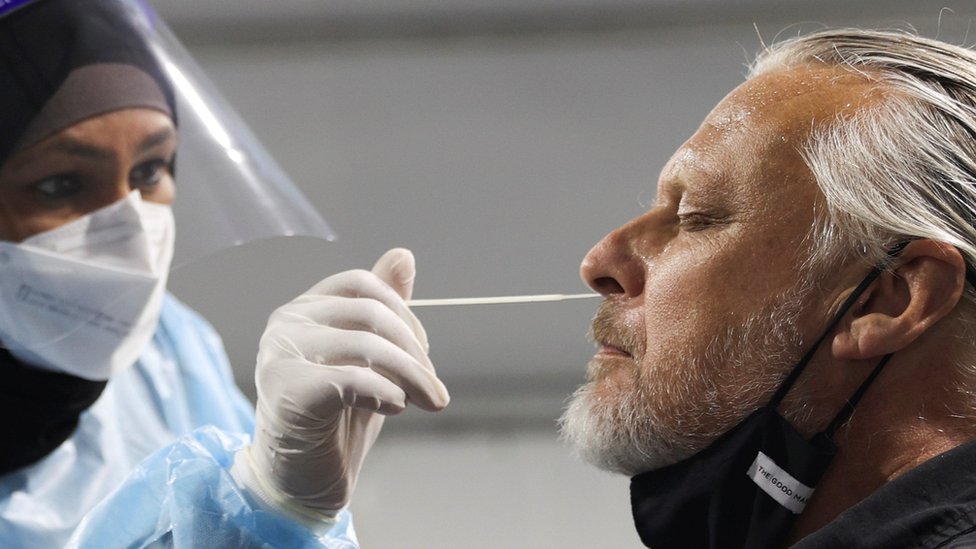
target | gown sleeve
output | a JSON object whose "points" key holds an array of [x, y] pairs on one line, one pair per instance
{"points": [[183, 496]]}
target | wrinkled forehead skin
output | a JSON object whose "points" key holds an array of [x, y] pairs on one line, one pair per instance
{"points": [[750, 145], [777, 110]]}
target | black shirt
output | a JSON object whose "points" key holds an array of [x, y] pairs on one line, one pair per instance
{"points": [[931, 506]]}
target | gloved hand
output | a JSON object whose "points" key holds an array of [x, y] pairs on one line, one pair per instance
{"points": [[331, 365]]}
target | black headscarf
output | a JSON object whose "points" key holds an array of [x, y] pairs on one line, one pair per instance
{"points": [[61, 62], [40, 410]]}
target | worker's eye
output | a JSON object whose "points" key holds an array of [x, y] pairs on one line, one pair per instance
{"points": [[57, 186], [148, 173]]}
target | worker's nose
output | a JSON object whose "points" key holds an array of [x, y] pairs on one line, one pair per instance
{"points": [[113, 190]]}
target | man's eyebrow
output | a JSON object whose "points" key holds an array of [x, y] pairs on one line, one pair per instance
{"points": [[672, 179]]}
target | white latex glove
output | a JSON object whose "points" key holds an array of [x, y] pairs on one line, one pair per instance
{"points": [[331, 364]]}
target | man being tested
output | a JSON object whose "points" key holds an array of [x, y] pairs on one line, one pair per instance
{"points": [[821, 223]]}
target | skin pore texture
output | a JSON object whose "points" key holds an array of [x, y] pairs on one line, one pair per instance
{"points": [[85, 167], [706, 308]]}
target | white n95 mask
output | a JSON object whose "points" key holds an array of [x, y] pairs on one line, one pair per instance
{"points": [[84, 298]]}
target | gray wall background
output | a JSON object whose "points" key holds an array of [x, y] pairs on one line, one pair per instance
{"points": [[499, 139]]}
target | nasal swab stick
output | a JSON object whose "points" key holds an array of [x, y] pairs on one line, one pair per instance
{"points": [[496, 300]]}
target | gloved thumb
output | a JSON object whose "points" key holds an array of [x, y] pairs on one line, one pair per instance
{"points": [[398, 269]]}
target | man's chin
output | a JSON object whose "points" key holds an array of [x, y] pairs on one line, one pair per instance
{"points": [[616, 369], [609, 434]]}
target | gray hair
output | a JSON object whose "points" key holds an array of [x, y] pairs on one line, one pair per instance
{"points": [[905, 166]]}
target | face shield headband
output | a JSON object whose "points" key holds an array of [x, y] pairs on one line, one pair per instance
{"points": [[746, 488]]}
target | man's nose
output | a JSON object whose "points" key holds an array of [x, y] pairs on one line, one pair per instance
{"points": [[612, 267]]}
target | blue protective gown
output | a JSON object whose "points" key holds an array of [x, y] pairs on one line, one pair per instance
{"points": [[149, 462]]}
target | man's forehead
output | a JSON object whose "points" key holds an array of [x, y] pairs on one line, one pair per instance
{"points": [[794, 94], [776, 110]]}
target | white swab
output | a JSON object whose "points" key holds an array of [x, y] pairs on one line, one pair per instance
{"points": [[496, 300]]}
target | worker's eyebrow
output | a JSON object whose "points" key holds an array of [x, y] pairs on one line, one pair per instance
{"points": [[76, 147], [158, 138]]}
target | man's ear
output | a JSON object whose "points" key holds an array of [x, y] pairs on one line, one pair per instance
{"points": [[925, 285]]}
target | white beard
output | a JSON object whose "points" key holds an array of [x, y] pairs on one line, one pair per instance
{"points": [[631, 431]]}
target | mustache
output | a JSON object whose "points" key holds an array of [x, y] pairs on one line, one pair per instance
{"points": [[609, 328]]}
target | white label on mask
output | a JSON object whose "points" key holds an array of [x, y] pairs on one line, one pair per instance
{"points": [[779, 484], [72, 311]]}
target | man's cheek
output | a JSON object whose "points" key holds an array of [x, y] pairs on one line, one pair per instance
{"points": [[679, 324]]}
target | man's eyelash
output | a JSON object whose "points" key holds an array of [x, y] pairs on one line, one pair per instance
{"points": [[702, 220]]}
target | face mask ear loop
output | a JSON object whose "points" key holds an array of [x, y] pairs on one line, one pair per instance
{"points": [[787, 384], [851, 403]]}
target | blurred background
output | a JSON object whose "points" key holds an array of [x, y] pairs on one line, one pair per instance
{"points": [[499, 140]]}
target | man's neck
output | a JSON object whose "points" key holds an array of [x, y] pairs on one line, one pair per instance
{"points": [[885, 438]]}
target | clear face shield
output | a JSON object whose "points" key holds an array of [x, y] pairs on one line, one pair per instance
{"points": [[229, 188], [83, 297]]}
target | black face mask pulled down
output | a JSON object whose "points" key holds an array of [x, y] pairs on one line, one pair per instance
{"points": [[746, 488]]}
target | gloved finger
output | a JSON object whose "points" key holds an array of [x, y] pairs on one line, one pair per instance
{"points": [[323, 345], [361, 314], [359, 283], [367, 389], [397, 267], [300, 390]]}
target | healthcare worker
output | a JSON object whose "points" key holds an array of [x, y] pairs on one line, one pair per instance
{"points": [[122, 425]]}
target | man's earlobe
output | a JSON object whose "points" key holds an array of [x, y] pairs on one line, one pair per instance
{"points": [[925, 285]]}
